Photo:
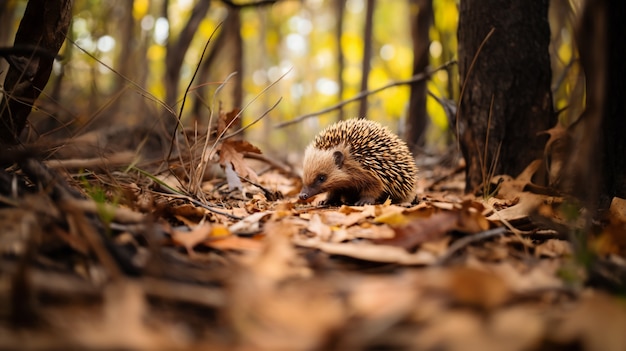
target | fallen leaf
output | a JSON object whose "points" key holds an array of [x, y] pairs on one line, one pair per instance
{"points": [[554, 248], [527, 204], [598, 321], [319, 228], [250, 224], [478, 288], [233, 242], [421, 230], [226, 120], [369, 252], [190, 239], [231, 151]]}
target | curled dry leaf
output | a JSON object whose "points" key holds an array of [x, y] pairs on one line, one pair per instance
{"points": [[231, 151]]}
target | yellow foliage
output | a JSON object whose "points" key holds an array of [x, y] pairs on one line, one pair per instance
{"points": [[249, 29], [565, 53], [352, 75], [352, 45], [156, 52], [207, 27], [140, 8], [446, 15]]}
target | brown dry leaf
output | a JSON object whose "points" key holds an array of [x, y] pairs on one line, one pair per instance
{"points": [[555, 150], [226, 120], [369, 231], [543, 275], [231, 151], [379, 301], [123, 325], [368, 252], [617, 210], [515, 329], [418, 231], [598, 321], [233, 242], [554, 248], [347, 218], [293, 315], [397, 216], [476, 287], [278, 260], [250, 224], [189, 240], [455, 331], [319, 228], [188, 213], [527, 204]]}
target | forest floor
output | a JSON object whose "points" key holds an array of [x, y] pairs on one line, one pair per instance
{"points": [[101, 256]]}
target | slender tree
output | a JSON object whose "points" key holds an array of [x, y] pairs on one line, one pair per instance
{"points": [[176, 50], [341, 61], [367, 54], [421, 21]]}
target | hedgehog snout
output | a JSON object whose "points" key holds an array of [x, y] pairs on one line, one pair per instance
{"points": [[303, 196]]}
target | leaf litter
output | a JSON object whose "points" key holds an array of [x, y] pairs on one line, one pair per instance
{"points": [[113, 258]]}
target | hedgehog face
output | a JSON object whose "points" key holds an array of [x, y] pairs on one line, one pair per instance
{"points": [[323, 171]]}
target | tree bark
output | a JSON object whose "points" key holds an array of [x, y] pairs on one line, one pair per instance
{"points": [[44, 26], [505, 79], [421, 21]]}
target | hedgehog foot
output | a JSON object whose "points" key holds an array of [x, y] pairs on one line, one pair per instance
{"points": [[366, 200]]}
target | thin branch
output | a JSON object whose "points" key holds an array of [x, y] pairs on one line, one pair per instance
{"points": [[416, 78], [259, 3], [467, 240]]}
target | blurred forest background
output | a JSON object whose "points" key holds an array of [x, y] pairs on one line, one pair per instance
{"points": [[129, 62]]}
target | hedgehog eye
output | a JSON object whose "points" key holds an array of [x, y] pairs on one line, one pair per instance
{"points": [[321, 178]]}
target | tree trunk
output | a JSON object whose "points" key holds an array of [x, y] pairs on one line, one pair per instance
{"points": [[367, 55], [44, 26], [596, 169], [421, 21], [174, 57], [341, 61], [505, 79]]}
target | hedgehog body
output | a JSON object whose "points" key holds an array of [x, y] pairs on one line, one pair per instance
{"points": [[358, 162]]}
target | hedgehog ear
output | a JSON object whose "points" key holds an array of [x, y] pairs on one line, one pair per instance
{"points": [[339, 158]]}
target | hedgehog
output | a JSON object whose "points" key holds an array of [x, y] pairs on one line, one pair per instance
{"points": [[359, 162]]}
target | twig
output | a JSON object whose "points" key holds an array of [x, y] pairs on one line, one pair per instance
{"points": [[128, 80], [416, 78], [115, 160], [182, 104], [273, 163], [253, 122], [461, 243], [173, 192]]}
